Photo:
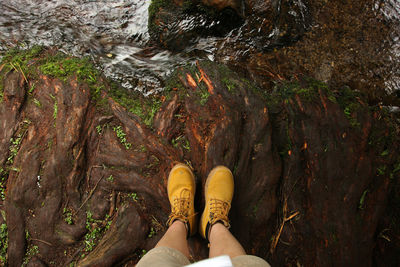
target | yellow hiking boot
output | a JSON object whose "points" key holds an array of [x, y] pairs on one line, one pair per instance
{"points": [[181, 190], [218, 195]]}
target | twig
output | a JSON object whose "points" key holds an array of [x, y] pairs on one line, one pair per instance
{"points": [[157, 224], [91, 192], [292, 216], [89, 173], [20, 69], [12, 65], [47, 243], [23, 74], [285, 219]]}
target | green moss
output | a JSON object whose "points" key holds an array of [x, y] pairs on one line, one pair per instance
{"points": [[152, 233], [334, 239], [99, 129], [95, 228], [152, 106], [142, 148], [254, 210], [3, 244], [181, 141], [3, 179], [133, 196], [15, 144], [32, 88], [393, 206], [127, 99], [67, 215], [122, 137], [385, 153], [55, 110], [110, 179], [383, 136], [230, 79], [349, 101], [204, 94], [173, 83], [230, 85], [154, 8], [31, 62], [287, 145], [381, 170], [143, 107], [396, 169], [32, 251], [306, 93], [1, 87], [37, 103], [154, 163], [362, 200], [14, 148], [63, 66], [317, 85], [20, 59], [307, 89], [34, 61], [143, 253]]}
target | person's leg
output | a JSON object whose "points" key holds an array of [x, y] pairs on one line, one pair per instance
{"points": [[214, 224], [175, 238], [172, 249], [222, 242]]}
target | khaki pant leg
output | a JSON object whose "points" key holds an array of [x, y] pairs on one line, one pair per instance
{"points": [[249, 261], [163, 257]]}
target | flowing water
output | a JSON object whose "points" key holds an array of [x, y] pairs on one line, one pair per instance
{"points": [[114, 33]]}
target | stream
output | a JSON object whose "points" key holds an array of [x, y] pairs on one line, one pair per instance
{"points": [[114, 34]]}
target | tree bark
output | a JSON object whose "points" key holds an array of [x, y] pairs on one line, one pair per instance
{"points": [[87, 181]]}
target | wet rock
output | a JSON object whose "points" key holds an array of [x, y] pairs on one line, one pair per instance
{"points": [[347, 44], [314, 168], [260, 7], [259, 25], [221, 4], [176, 26]]}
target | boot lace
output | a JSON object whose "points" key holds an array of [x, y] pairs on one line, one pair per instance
{"points": [[180, 208], [219, 211]]}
